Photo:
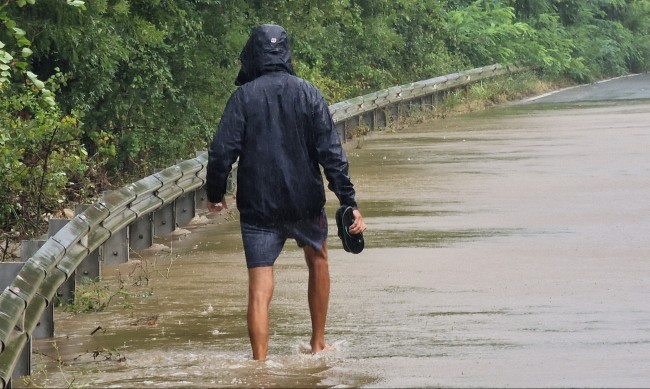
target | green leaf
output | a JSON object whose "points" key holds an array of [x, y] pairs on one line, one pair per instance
{"points": [[50, 101], [26, 52], [19, 32], [76, 3], [5, 57], [34, 79], [23, 42]]}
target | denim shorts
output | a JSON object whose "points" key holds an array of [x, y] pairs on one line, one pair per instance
{"points": [[263, 243]]}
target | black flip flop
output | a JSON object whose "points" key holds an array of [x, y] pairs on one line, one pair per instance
{"points": [[352, 243]]}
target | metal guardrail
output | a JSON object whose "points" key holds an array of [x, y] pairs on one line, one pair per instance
{"points": [[379, 108], [23, 302]]}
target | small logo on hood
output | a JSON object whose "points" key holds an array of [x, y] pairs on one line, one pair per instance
{"points": [[274, 40]]}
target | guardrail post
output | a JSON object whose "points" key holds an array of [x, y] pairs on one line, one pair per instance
{"points": [[200, 195], [65, 293], [340, 129], [141, 233], [427, 101], [344, 130], [163, 220], [415, 104], [200, 198], [392, 111], [436, 98], [116, 249], [8, 272], [368, 120], [45, 326], [185, 209], [402, 108], [90, 267], [350, 124], [379, 118]]}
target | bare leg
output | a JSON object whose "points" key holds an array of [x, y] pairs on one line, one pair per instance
{"points": [[260, 291], [318, 294]]}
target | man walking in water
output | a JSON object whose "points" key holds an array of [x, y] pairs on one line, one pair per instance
{"points": [[280, 128]]}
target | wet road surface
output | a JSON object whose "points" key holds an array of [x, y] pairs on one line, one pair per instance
{"points": [[505, 248], [634, 87]]}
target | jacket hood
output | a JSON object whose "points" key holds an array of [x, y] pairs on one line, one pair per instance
{"points": [[267, 50]]}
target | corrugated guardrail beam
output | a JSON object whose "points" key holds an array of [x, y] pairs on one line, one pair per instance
{"points": [[22, 303], [357, 107]]}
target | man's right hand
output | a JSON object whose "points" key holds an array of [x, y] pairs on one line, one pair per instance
{"points": [[217, 207]]}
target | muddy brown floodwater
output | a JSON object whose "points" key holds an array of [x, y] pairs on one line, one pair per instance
{"points": [[505, 248]]}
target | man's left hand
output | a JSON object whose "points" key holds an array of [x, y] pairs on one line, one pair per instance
{"points": [[358, 226], [217, 207]]}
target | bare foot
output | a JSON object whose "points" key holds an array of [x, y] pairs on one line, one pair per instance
{"points": [[318, 348]]}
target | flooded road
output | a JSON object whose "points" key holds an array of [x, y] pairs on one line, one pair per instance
{"points": [[505, 248]]}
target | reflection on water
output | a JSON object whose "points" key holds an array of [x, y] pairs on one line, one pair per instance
{"points": [[507, 248]]}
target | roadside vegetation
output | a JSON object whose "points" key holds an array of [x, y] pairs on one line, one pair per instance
{"points": [[95, 94]]}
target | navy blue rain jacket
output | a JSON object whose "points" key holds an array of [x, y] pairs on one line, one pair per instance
{"points": [[280, 128]]}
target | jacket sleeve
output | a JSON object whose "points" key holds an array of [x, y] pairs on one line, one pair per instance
{"points": [[330, 153], [225, 147]]}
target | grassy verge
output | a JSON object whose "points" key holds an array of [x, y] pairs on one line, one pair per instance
{"points": [[485, 94]]}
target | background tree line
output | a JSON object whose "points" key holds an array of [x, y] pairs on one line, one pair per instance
{"points": [[96, 93]]}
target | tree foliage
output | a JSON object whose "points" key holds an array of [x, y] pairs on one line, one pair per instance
{"points": [[42, 161], [96, 93]]}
